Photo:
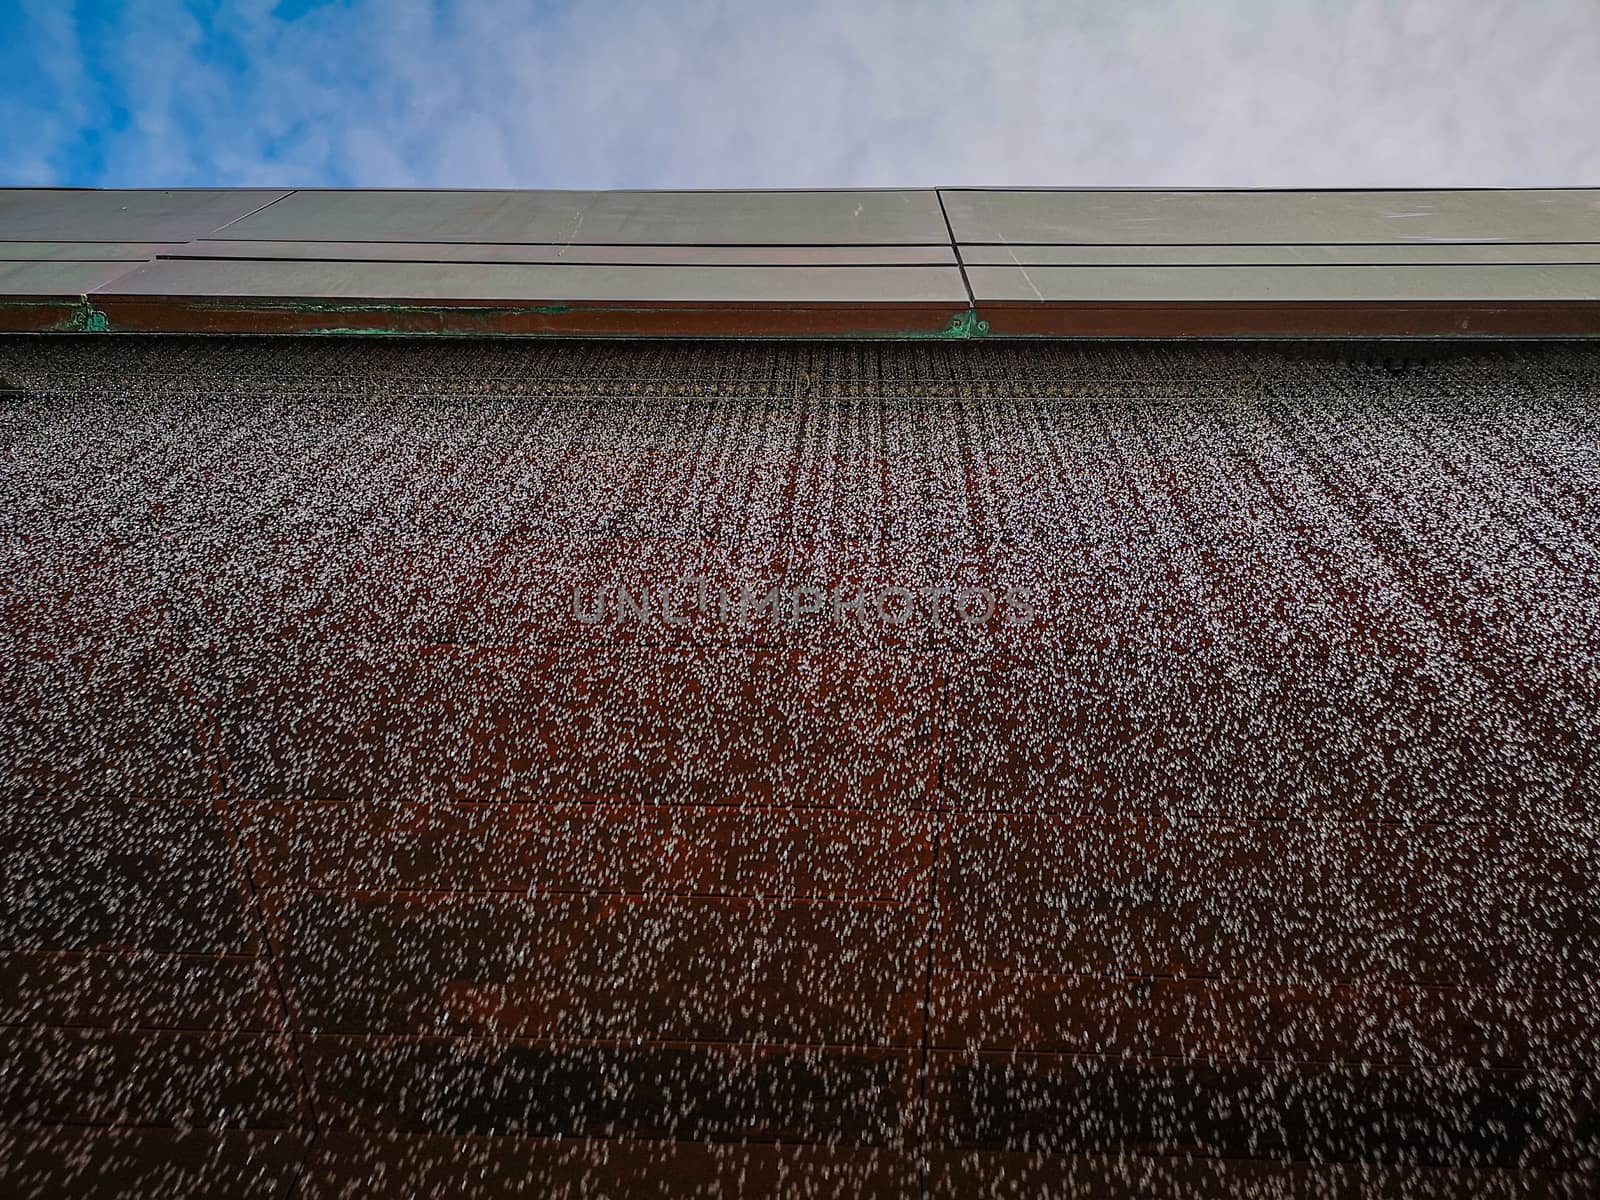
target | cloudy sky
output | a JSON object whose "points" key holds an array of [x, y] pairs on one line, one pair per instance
{"points": [[704, 93]]}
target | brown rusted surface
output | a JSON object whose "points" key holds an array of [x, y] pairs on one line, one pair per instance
{"points": [[614, 849], [883, 319], [1351, 319], [137, 989], [492, 1168], [38, 314], [168, 1079], [113, 1164], [1015, 1175], [343, 856]]}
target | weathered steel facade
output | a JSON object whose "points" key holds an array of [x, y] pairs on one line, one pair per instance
{"points": [[440, 766]]}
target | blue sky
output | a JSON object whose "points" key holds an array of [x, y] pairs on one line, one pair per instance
{"points": [[705, 93]]}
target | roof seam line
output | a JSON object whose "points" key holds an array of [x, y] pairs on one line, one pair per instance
{"points": [[955, 249], [243, 216]]}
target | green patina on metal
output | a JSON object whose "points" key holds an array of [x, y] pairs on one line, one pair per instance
{"points": [[29, 316], [967, 325], [454, 310], [963, 325], [468, 315], [86, 318], [471, 318], [371, 331], [372, 319]]}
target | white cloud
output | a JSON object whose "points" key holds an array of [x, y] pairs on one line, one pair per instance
{"points": [[848, 92]]}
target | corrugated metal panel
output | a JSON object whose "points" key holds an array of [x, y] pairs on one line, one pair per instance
{"points": [[837, 218], [55, 214], [1202, 851], [1311, 218], [633, 255]]}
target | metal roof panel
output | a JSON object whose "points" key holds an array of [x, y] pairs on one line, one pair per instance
{"points": [[630, 255], [1434, 254], [805, 263], [1285, 284], [70, 279], [65, 214], [81, 251], [840, 218], [1312, 218], [542, 284]]}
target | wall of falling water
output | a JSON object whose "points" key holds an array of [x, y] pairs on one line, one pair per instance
{"points": [[397, 800]]}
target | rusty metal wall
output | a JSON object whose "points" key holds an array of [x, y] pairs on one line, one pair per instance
{"points": [[398, 801]]}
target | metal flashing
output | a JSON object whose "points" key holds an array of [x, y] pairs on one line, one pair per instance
{"points": [[956, 263]]}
